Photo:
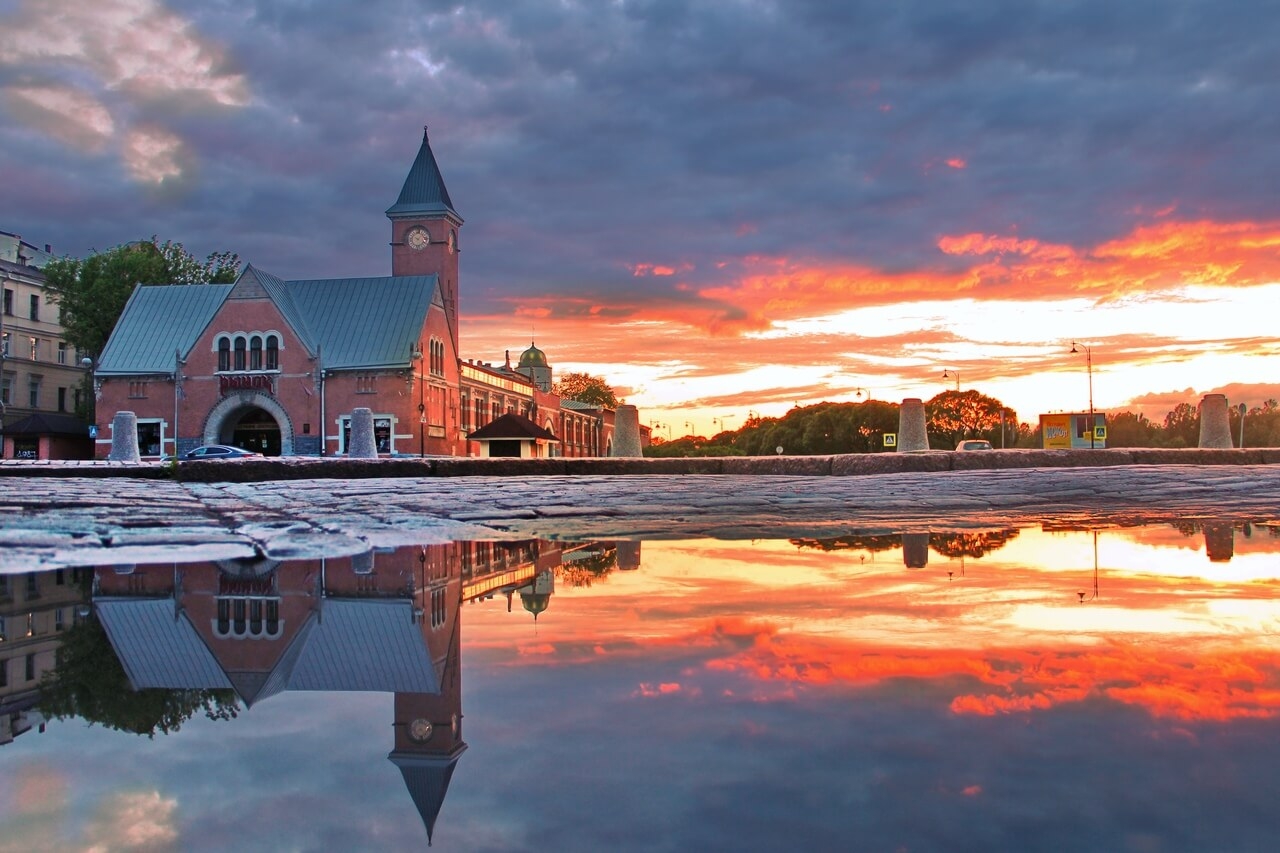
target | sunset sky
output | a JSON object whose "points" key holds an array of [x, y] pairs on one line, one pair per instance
{"points": [[718, 206]]}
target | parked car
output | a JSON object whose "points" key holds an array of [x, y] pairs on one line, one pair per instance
{"points": [[220, 451], [974, 444]]}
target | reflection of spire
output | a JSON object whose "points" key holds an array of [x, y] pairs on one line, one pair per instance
{"points": [[536, 597], [915, 550], [1220, 542]]}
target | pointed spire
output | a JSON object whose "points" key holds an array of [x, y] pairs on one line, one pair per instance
{"points": [[424, 191]]}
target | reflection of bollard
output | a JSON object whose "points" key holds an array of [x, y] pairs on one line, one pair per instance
{"points": [[628, 555], [911, 431], [124, 438], [626, 431], [362, 563], [915, 550], [1220, 542], [1215, 426], [362, 443]]}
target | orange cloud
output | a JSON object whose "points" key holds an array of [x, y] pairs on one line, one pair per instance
{"points": [[1166, 254], [1188, 685], [957, 163]]}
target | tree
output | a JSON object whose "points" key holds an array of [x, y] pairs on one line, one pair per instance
{"points": [[1125, 429], [1182, 426], [956, 415], [586, 388], [90, 683], [91, 293]]}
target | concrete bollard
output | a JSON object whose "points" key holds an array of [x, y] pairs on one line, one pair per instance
{"points": [[363, 445], [628, 555], [124, 438], [1215, 425], [626, 432], [915, 550], [911, 431]]}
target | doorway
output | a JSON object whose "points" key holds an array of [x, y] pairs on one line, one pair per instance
{"points": [[257, 430]]}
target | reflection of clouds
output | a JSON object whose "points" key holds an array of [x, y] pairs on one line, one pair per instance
{"points": [[135, 822], [85, 69]]}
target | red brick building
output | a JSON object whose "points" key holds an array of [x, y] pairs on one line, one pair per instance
{"points": [[278, 365]]}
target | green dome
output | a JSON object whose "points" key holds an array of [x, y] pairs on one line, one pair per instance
{"points": [[533, 357]]}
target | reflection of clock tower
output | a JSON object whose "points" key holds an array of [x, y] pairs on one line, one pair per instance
{"points": [[428, 726], [424, 231]]}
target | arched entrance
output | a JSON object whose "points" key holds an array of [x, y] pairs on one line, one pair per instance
{"points": [[253, 421], [254, 430]]}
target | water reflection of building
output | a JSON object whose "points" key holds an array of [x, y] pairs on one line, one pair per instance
{"points": [[381, 621], [35, 608]]}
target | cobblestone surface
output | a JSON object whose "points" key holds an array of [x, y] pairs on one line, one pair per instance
{"points": [[63, 521]]}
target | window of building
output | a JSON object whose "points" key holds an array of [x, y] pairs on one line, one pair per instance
{"points": [[4, 673], [31, 668], [224, 354], [381, 433], [62, 352], [255, 353], [59, 577], [8, 301], [31, 624], [366, 383], [240, 354], [62, 399], [465, 410], [4, 634], [273, 352], [149, 437], [6, 386], [33, 393], [138, 388], [4, 343], [35, 348], [4, 587], [59, 621], [33, 588], [35, 307]]}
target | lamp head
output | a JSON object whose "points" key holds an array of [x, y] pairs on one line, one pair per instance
{"points": [[1073, 347]]}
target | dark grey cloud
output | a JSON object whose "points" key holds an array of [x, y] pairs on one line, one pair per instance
{"points": [[579, 139]]}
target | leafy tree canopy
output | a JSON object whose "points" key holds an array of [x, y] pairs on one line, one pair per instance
{"points": [[966, 414], [92, 292], [90, 683], [586, 388]]}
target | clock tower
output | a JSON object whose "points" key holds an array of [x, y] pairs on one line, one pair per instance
{"points": [[424, 231]]}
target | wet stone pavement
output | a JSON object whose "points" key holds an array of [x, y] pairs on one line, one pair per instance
{"points": [[68, 520]]}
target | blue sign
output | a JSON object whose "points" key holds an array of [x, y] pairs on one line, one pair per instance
{"points": [[93, 430]]}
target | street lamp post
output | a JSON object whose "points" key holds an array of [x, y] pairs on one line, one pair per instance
{"points": [[1088, 361], [949, 373], [862, 392]]}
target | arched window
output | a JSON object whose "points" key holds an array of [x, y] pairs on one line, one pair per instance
{"points": [[273, 352], [224, 354], [239, 364], [255, 353]]}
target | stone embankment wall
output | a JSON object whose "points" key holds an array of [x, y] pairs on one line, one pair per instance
{"points": [[306, 468]]}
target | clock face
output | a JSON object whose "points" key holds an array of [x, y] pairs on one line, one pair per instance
{"points": [[420, 729], [417, 238]]}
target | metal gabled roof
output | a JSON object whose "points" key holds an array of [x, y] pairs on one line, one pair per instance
{"points": [[365, 644], [157, 645], [157, 321], [424, 191], [365, 322], [278, 289]]}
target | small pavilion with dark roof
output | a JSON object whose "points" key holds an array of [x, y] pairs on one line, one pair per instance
{"points": [[514, 436]]}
